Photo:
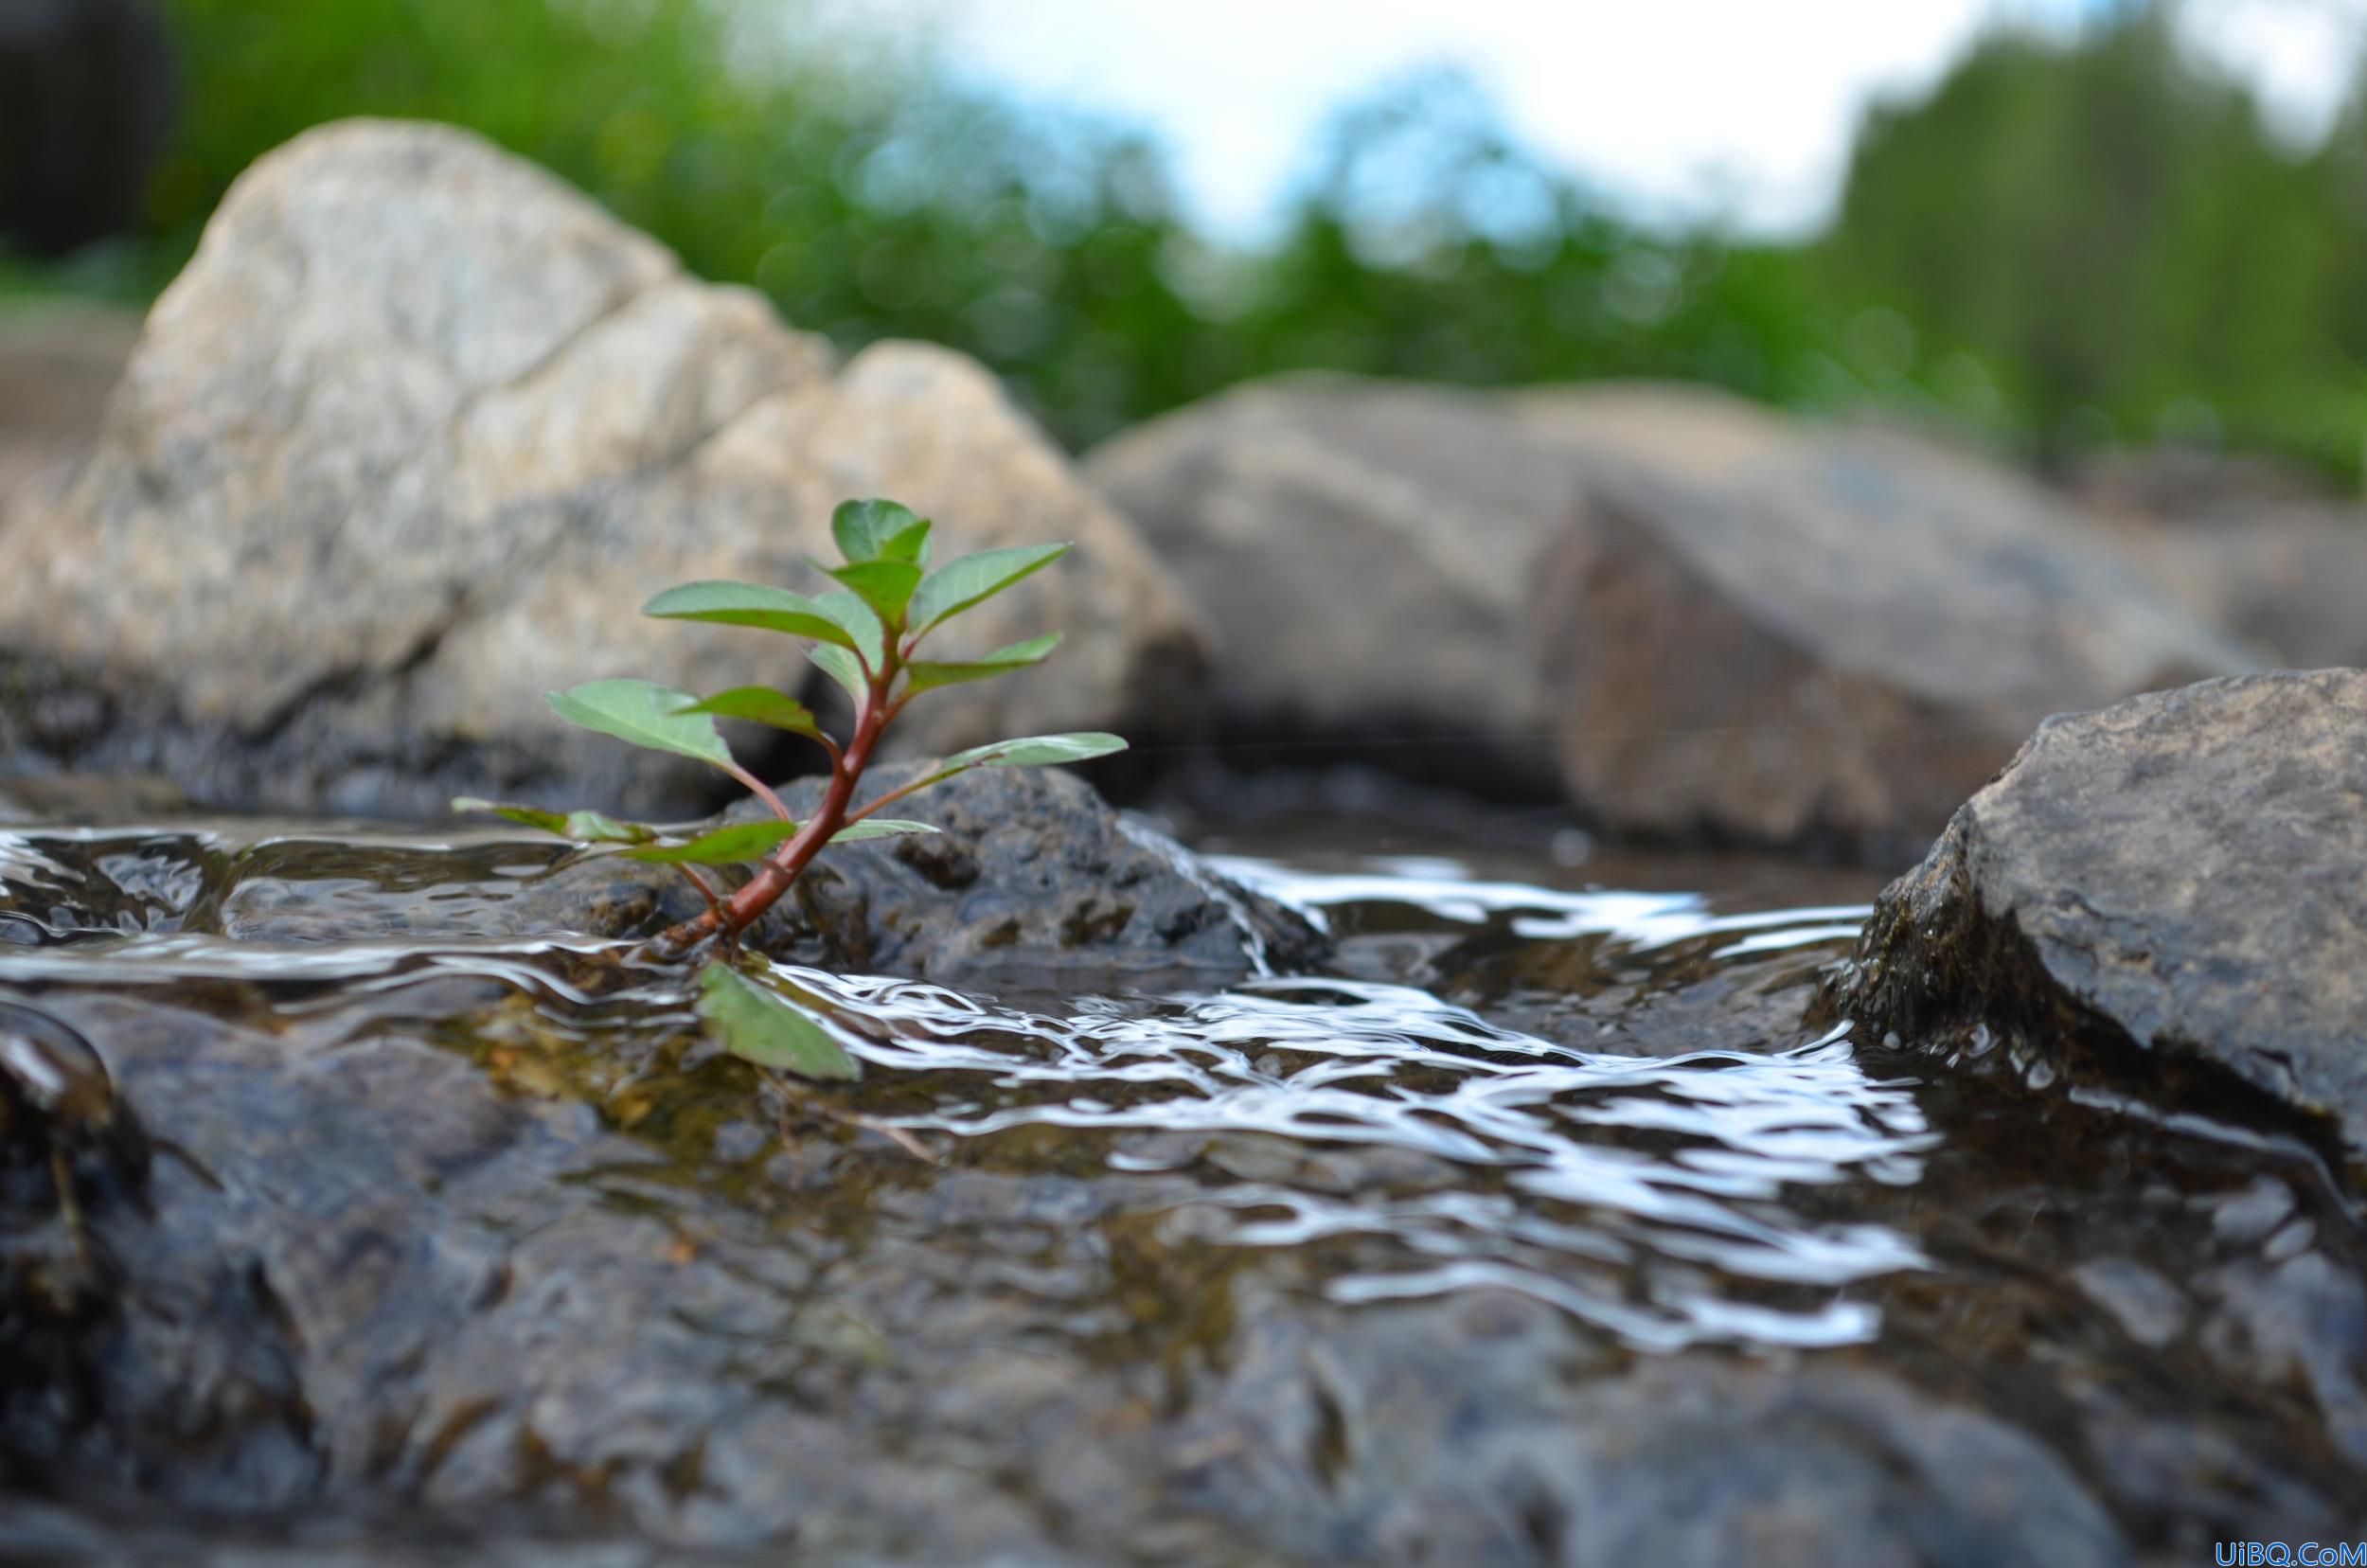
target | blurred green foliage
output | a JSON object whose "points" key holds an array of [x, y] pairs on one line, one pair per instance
{"points": [[2124, 244], [2068, 242]]}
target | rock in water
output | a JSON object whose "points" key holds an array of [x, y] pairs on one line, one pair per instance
{"points": [[1034, 880], [1368, 552], [412, 440], [1701, 619], [2177, 883], [1775, 634]]}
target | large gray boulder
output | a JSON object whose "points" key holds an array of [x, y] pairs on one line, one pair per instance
{"points": [[416, 434], [1714, 621], [2174, 887], [1366, 551], [1775, 633]]}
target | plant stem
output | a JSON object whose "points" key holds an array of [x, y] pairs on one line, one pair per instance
{"points": [[775, 875], [761, 789]]}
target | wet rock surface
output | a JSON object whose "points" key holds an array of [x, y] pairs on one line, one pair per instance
{"points": [[427, 427], [1034, 880], [2171, 888], [1540, 1226]]}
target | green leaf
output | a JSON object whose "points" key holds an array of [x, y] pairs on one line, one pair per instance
{"points": [[879, 530], [757, 1024], [1033, 751], [645, 714], [760, 705], [886, 585], [741, 841], [958, 584], [925, 675], [1037, 751], [751, 604], [576, 827], [859, 626], [879, 827], [840, 666]]}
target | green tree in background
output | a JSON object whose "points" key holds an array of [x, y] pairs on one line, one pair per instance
{"points": [[2118, 238], [2066, 240], [867, 203]]}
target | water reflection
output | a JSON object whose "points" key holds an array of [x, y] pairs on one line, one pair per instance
{"points": [[1646, 1195], [1408, 1144], [1597, 1106]]}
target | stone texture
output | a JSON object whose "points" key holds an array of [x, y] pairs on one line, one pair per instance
{"points": [[413, 438], [381, 1274], [1366, 552], [2175, 887], [1714, 621], [1034, 882], [1777, 633]]}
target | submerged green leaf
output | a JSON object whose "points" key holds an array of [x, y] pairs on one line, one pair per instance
{"points": [[879, 827], [760, 705], [741, 841], [1037, 751], [576, 827], [879, 530], [751, 604], [958, 584], [644, 714], [757, 1024], [926, 675], [884, 585]]}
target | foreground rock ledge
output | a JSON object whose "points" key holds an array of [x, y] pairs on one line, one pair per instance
{"points": [[2182, 876], [1033, 877]]}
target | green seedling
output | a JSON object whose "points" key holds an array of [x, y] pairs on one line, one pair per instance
{"points": [[865, 635]]}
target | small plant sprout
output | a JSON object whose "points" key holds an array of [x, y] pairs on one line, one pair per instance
{"points": [[866, 636]]}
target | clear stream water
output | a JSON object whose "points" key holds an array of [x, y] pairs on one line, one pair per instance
{"points": [[1574, 1085]]}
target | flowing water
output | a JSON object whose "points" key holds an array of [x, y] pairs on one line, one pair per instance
{"points": [[1301, 1260]]}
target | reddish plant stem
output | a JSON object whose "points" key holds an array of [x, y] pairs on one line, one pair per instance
{"points": [[762, 791], [774, 877]]}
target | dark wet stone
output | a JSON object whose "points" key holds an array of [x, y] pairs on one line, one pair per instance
{"points": [[71, 1151], [394, 1281], [1033, 872], [1698, 1460], [2173, 890], [1033, 877]]}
